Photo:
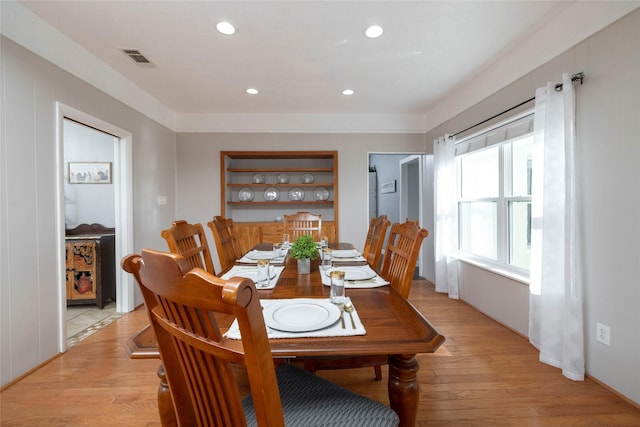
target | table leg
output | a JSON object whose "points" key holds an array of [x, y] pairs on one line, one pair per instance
{"points": [[404, 391]]}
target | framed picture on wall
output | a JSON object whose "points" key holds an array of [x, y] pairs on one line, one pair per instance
{"points": [[90, 173]]}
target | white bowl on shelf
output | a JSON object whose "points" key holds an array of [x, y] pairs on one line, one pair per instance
{"points": [[282, 178], [307, 178]]}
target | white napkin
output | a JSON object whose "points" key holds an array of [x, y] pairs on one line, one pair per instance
{"points": [[334, 330], [250, 272], [374, 282], [247, 258], [347, 255]]}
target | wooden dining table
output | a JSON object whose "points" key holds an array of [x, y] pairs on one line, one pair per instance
{"points": [[394, 329]]}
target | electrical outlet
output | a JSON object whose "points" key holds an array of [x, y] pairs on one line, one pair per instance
{"points": [[603, 334]]}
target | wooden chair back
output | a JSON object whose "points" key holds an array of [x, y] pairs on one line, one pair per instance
{"points": [[197, 358], [227, 244], [372, 251], [401, 254], [303, 223], [189, 241]]}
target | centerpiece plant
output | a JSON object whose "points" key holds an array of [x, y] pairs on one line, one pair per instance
{"points": [[304, 249]]}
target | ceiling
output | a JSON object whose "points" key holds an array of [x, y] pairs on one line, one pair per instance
{"points": [[300, 55]]}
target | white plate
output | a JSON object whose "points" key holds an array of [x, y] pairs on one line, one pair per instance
{"points": [[344, 253], [307, 178], [259, 178], [300, 315], [283, 178], [261, 255], [296, 194], [321, 193], [354, 273], [271, 194], [245, 195]]}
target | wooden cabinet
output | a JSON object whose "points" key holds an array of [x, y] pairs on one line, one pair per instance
{"points": [[259, 188], [90, 269]]}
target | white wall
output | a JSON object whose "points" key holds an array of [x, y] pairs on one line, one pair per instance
{"points": [[608, 163], [31, 173]]}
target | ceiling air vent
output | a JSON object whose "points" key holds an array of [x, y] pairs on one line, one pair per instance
{"points": [[137, 57]]}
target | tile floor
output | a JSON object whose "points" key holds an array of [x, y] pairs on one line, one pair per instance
{"points": [[84, 320]]}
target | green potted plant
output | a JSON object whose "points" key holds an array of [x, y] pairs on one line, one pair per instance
{"points": [[304, 249]]}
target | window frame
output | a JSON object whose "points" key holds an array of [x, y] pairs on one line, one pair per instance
{"points": [[501, 136]]}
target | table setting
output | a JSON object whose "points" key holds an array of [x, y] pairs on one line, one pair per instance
{"points": [[347, 255], [355, 277], [251, 272], [306, 317], [274, 256]]}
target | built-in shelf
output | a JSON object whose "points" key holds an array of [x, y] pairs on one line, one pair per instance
{"points": [[238, 172]]}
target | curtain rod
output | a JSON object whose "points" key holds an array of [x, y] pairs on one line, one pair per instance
{"points": [[576, 77]]}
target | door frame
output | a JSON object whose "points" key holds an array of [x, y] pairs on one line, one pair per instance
{"points": [[406, 189], [122, 174]]}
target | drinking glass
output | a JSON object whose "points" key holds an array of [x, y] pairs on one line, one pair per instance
{"points": [[337, 295], [277, 249], [264, 273], [285, 240], [326, 258]]}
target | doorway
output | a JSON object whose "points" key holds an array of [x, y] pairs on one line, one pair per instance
{"points": [[118, 150], [407, 182]]}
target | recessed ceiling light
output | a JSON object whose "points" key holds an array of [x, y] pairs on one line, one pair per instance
{"points": [[373, 31], [252, 91], [226, 28], [348, 92]]}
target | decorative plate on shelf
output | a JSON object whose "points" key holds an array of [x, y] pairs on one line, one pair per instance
{"points": [[321, 193], [296, 194], [271, 194], [259, 178], [282, 178], [245, 195], [307, 178]]}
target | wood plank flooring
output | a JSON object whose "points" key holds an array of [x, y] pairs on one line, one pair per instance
{"points": [[484, 376]]}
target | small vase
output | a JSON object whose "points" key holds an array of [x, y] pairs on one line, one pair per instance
{"points": [[304, 266]]}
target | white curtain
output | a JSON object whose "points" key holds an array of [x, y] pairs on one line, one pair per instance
{"points": [[446, 216], [555, 311]]}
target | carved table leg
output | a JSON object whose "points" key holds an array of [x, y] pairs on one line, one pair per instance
{"points": [[165, 402], [404, 391]]}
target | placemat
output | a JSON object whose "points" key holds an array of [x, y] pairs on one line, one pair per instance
{"points": [[335, 330]]}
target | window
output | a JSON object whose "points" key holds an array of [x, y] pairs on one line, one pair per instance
{"points": [[494, 194]]}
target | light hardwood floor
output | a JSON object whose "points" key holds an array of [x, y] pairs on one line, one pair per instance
{"points": [[484, 376]]}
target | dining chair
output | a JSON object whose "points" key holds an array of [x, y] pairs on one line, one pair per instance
{"points": [[189, 241], [302, 223], [401, 255], [199, 361], [372, 250], [227, 244], [398, 268]]}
